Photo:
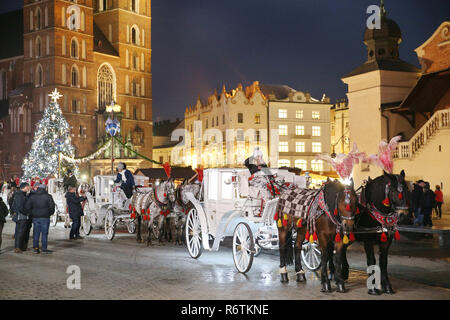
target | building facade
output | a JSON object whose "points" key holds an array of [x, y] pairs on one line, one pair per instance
{"points": [[290, 127], [93, 52], [340, 127]]}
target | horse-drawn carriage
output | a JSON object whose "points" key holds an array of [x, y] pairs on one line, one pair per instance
{"points": [[229, 208], [56, 190], [107, 206]]}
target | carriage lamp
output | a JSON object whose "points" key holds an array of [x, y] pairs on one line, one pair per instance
{"points": [[112, 126]]}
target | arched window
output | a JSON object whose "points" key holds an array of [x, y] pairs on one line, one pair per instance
{"points": [[133, 36], [105, 86], [284, 163], [134, 87], [38, 47], [134, 5], [74, 73], [39, 76], [316, 165], [38, 18], [302, 164], [135, 62], [74, 48]]}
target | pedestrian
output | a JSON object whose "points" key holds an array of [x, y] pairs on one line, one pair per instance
{"points": [[439, 200], [3, 214], [21, 218], [75, 212], [41, 206], [427, 203], [417, 194], [126, 179]]}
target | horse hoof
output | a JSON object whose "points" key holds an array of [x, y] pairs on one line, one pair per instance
{"points": [[326, 287], [301, 277], [284, 278], [340, 288], [388, 290], [374, 292]]}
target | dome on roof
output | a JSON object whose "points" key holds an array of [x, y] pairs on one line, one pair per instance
{"points": [[389, 29]]}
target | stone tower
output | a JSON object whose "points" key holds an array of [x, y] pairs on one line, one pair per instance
{"points": [[382, 81]]}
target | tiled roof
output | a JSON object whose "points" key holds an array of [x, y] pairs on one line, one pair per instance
{"points": [[383, 64], [11, 34], [101, 43]]}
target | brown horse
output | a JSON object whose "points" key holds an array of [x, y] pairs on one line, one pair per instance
{"points": [[330, 212]]}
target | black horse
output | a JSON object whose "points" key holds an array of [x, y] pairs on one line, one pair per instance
{"points": [[382, 200], [334, 217]]}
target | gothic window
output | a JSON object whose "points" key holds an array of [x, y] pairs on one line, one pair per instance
{"points": [[74, 48], [133, 36], [105, 86], [39, 76], [74, 76], [134, 113], [134, 88], [38, 18], [135, 63], [38, 47]]}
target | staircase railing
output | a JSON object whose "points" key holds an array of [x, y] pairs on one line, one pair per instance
{"points": [[407, 149]]}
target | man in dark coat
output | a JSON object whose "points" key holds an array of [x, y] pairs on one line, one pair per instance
{"points": [[427, 203], [75, 212], [126, 179], [41, 206], [3, 214], [417, 194], [21, 218]]}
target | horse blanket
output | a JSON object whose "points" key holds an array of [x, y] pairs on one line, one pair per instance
{"points": [[297, 202]]}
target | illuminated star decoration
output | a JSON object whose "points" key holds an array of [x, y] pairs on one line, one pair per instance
{"points": [[55, 95]]}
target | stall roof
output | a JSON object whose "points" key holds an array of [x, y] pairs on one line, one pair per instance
{"points": [[159, 173]]}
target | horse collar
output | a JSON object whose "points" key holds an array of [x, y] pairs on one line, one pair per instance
{"points": [[386, 220]]}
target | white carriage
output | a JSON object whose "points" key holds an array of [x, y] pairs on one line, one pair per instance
{"points": [[5, 191], [56, 190], [229, 209], [107, 206]]}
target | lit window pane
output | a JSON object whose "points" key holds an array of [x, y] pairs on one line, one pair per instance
{"points": [[282, 113], [299, 114], [300, 130], [299, 147], [316, 131], [316, 115], [283, 130], [316, 147], [284, 163], [283, 146], [299, 163], [317, 165]]}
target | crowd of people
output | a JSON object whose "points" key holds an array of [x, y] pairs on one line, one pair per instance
{"points": [[423, 201], [31, 206]]}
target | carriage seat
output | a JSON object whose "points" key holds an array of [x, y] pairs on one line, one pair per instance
{"points": [[243, 184]]}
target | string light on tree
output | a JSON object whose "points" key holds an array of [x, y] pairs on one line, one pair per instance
{"points": [[51, 137]]}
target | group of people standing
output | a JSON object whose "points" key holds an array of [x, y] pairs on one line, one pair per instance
{"points": [[423, 201]]}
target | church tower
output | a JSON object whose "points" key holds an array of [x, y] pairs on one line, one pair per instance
{"points": [[381, 82]]}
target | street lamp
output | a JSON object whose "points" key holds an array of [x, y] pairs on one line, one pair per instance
{"points": [[112, 126]]}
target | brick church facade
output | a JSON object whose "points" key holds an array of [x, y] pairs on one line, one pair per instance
{"points": [[93, 52]]}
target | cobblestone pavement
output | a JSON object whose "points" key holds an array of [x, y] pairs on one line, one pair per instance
{"points": [[123, 269]]}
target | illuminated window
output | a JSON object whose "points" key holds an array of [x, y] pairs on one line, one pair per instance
{"points": [[283, 163], [283, 130], [316, 115], [299, 130], [257, 118], [316, 165], [240, 118], [316, 131], [316, 147], [299, 114], [299, 163], [74, 76], [282, 113], [299, 147], [283, 146], [74, 48]]}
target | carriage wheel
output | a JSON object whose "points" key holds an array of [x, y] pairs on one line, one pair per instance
{"points": [[194, 234], [311, 255], [86, 225], [131, 226], [243, 247], [110, 228]]}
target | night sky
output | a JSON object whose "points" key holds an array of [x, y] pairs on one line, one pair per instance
{"points": [[199, 45]]}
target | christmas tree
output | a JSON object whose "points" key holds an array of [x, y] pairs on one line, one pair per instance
{"points": [[51, 137]]}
